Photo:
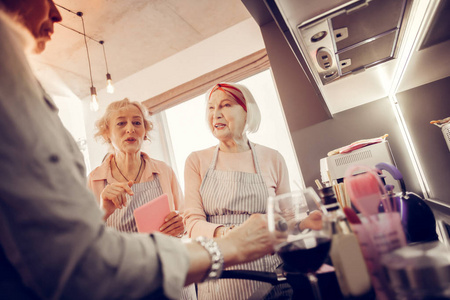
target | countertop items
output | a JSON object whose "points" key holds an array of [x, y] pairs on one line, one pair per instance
{"points": [[419, 271], [345, 253], [378, 233], [357, 145], [444, 124]]}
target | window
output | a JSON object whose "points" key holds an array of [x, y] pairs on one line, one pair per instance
{"points": [[189, 131]]}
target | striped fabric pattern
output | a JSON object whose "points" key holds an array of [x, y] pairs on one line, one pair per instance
{"points": [[229, 198], [123, 219]]}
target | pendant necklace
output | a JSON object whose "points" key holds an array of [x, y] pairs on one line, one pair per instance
{"points": [[139, 172]]}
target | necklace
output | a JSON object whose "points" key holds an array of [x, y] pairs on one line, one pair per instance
{"points": [[139, 172]]}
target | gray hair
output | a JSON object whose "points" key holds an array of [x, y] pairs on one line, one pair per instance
{"points": [[253, 113]]}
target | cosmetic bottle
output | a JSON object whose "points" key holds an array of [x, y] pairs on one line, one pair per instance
{"points": [[345, 252]]}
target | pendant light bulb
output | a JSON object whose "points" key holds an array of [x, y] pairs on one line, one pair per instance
{"points": [[94, 101], [109, 85]]}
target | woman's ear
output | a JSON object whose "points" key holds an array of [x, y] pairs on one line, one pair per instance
{"points": [[106, 137]]}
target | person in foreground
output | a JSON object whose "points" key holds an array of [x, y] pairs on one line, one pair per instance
{"points": [[129, 178], [228, 183], [53, 242]]}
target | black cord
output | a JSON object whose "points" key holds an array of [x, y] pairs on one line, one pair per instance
{"points": [[74, 30], [80, 14], [87, 49], [104, 55], [65, 8]]}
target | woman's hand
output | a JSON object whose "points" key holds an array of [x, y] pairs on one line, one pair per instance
{"points": [[313, 221], [244, 243], [114, 197], [250, 241], [173, 225]]}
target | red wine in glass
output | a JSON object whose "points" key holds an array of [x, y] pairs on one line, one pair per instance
{"points": [[307, 235], [305, 255]]}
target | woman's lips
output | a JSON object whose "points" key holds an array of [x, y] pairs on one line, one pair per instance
{"points": [[46, 33], [130, 140], [219, 126]]}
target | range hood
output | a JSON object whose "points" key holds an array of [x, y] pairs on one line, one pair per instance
{"points": [[340, 38]]}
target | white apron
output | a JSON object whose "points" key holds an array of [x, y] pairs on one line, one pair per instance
{"points": [[229, 198]]}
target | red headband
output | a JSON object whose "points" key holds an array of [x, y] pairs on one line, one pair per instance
{"points": [[232, 91]]}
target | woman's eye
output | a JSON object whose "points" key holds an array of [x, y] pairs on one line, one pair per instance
{"points": [[120, 123], [138, 123]]}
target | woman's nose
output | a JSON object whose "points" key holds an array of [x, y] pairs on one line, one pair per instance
{"points": [[130, 129], [217, 113]]}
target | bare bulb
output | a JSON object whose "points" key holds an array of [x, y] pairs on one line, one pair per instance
{"points": [[109, 87], [94, 101]]}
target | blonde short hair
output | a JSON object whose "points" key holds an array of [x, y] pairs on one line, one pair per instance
{"points": [[253, 113], [102, 124]]}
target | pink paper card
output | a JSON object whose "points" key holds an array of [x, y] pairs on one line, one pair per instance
{"points": [[150, 216]]}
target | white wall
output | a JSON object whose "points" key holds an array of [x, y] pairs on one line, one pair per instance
{"points": [[226, 47]]}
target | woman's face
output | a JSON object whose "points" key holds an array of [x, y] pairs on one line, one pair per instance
{"points": [[127, 130], [38, 16], [226, 118]]}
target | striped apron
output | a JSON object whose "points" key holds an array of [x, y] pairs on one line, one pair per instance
{"points": [[229, 198], [123, 219]]}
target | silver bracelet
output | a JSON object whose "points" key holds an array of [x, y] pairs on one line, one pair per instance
{"points": [[216, 257]]}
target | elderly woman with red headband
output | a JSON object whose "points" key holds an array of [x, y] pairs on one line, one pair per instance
{"points": [[227, 183]]}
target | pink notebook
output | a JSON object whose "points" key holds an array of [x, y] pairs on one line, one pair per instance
{"points": [[150, 216]]}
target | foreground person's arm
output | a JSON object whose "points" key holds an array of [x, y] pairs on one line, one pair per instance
{"points": [[247, 242]]}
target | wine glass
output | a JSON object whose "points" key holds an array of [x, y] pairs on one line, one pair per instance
{"points": [[308, 237]]}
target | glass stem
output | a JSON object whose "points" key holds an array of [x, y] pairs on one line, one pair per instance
{"points": [[315, 286]]}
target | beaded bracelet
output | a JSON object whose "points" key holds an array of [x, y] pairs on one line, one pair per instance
{"points": [[216, 257]]}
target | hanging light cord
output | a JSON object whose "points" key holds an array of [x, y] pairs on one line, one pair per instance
{"points": [[104, 55], [74, 30], [66, 9], [87, 49], [80, 14]]}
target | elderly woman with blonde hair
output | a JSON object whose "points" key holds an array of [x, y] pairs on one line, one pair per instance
{"points": [[129, 178]]}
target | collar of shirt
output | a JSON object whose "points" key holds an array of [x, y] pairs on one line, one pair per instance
{"points": [[51, 104]]}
